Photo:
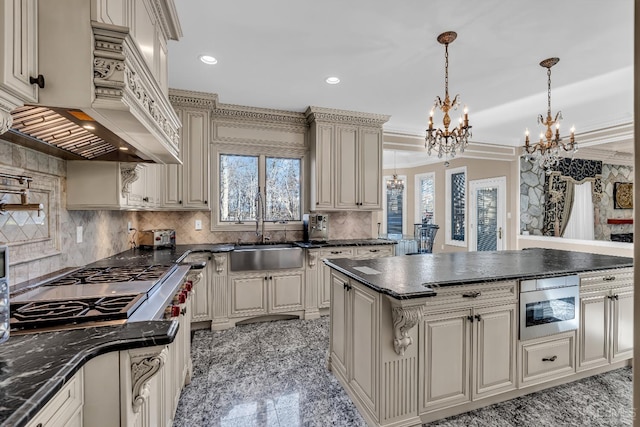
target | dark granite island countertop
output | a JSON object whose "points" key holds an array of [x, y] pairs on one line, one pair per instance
{"points": [[34, 367], [418, 276]]}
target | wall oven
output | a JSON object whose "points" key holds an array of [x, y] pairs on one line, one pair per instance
{"points": [[549, 306]]}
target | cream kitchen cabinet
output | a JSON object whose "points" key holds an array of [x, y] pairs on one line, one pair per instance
{"points": [[186, 186], [266, 292], [354, 331], [546, 358], [65, 408], [19, 71], [468, 354], [102, 185], [346, 159], [358, 168], [201, 298], [605, 334]]}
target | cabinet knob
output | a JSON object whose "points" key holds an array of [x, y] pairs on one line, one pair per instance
{"points": [[205, 202], [145, 199], [37, 81], [179, 202], [549, 359]]}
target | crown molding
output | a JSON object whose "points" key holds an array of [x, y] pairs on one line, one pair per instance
{"points": [[167, 15], [244, 113], [321, 114], [192, 99]]}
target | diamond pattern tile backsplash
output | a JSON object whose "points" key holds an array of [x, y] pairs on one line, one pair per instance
{"points": [[25, 226]]}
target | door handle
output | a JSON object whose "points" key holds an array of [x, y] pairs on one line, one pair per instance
{"points": [[500, 233]]}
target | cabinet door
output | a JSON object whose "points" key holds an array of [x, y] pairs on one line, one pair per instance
{"points": [[172, 176], [323, 174], [20, 48], [446, 344], [622, 326], [324, 273], [363, 363], [200, 300], [370, 176], [593, 334], [494, 360], [286, 292], [196, 159], [338, 320], [137, 188], [346, 158], [152, 196], [248, 295]]}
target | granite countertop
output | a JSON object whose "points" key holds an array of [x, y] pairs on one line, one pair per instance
{"points": [[347, 242], [34, 367], [417, 276]]}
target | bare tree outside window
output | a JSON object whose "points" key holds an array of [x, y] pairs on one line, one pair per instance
{"points": [[238, 187], [282, 189]]}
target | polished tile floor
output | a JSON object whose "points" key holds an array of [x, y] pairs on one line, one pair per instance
{"points": [[274, 374]]}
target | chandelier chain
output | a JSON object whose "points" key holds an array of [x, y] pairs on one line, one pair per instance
{"points": [[549, 91], [446, 71]]}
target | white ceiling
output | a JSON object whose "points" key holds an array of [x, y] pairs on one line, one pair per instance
{"points": [[277, 54]]}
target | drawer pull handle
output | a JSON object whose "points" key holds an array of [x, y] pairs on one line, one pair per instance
{"points": [[374, 250], [336, 252], [475, 294], [609, 278], [549, 359]]}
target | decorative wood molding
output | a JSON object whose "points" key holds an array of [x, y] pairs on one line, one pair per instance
{"points": [[6, 120], [141, 372], [405, 318], [244, 113], [195, 277], [193, 99], [166, 14], [320, 114], [128, 175], [121, 76], [312, 258], [220, 261]]}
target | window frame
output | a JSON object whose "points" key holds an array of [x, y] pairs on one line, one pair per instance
{"points": [[418, 199], [262, 153], [447, 217], [383, 228]]}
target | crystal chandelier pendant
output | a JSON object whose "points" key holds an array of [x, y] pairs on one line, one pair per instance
{"points": [[444, 141], [547, 151]]}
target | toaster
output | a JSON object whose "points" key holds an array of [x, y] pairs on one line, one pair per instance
{"points": [[159, 238]]}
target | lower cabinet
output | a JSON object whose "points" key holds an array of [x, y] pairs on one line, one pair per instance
{"points": [[547, 358], [605, 335], [65, 408], [468, 354], [266, 292], [355, 335]]}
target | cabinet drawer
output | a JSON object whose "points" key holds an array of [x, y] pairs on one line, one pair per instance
{"points": [[335, 253], [606, 279], [547, 359], [374, 251], [63, 406], [465, 296]]}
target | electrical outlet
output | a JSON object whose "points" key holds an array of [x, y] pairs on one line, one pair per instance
{"points": [[198, 224], [79, 234], [128, 226]]}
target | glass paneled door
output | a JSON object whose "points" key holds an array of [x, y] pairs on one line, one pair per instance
{"points": [[487, 212]]}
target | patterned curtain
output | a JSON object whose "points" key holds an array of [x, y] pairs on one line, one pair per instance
{"points": [[558, 187]]}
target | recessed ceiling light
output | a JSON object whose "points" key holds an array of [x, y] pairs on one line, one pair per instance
{"points": [[333, 80], [89, 127], [208, 59]]}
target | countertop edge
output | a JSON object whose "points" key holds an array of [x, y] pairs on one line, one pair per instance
{"points": [[47, 391]]}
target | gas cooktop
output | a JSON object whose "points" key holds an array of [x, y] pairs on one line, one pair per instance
{"points": [[113, 275]]}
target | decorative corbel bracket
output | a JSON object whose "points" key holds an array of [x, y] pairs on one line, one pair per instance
{"points": [[128, 175], [219, 260], [313, 258], [195, 277], [404, 318], [141, 373]]}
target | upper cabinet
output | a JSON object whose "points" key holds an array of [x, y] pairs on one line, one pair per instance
{"points": [[95, 62], [346, 159], [19, 60], [186, 186]]}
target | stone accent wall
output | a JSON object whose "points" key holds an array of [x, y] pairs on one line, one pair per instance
{"points": [[104, 232], [531, 197], [611, 174]]}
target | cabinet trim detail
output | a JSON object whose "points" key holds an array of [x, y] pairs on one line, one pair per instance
{"points": [[405, 318], [141, 373], [129, 174], [6, 119], [344, 116], [195, 277], [219, 260], [313, 257]]}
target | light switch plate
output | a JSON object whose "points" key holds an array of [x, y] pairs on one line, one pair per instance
{"points": [[79, 234], [198, 224]]}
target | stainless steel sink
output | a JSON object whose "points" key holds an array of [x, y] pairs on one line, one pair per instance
{"points": [[266, 257]]}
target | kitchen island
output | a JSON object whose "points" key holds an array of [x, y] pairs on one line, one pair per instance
{"points": [[421, 337]]}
